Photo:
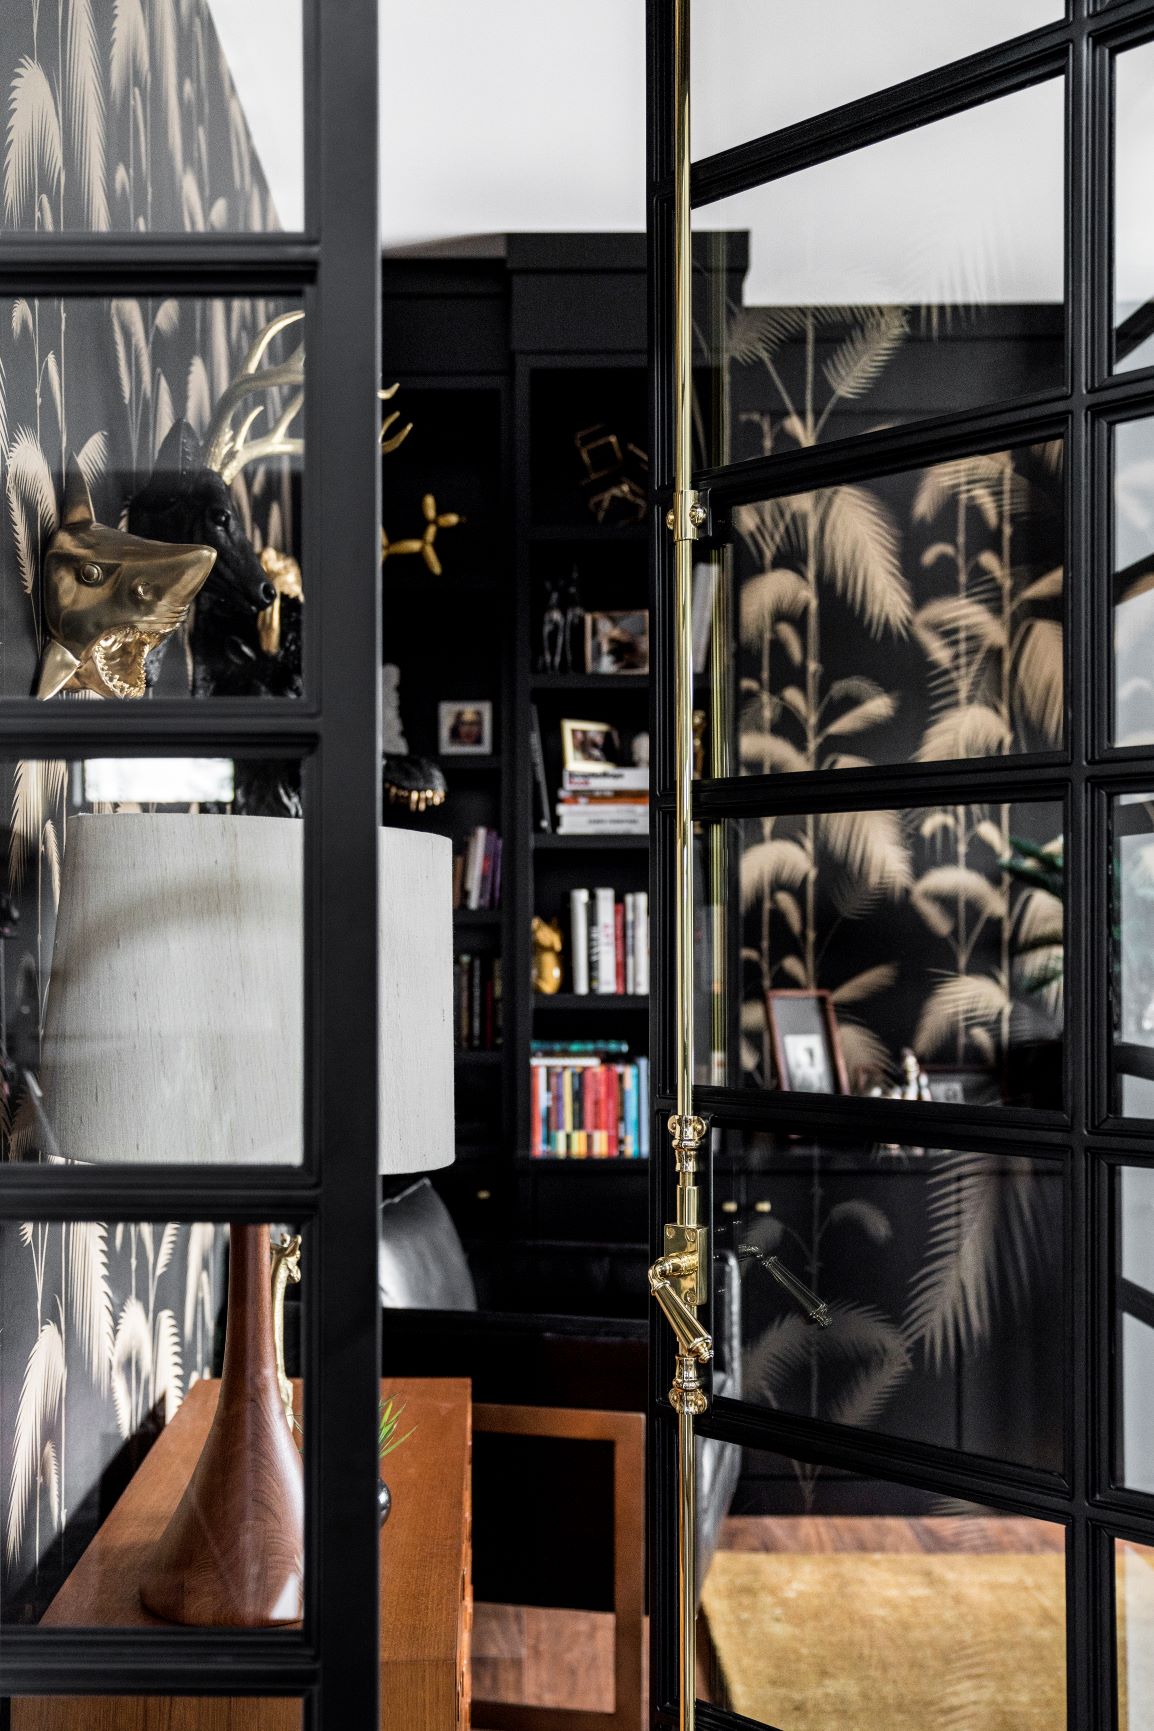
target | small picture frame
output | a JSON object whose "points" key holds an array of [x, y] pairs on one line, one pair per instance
{"points": [[962, 1085], [465, 728], [803, 1032], [589, 744], [617, 642]]}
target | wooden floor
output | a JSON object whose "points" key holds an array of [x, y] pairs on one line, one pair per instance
{"points": [[550, 1658]]}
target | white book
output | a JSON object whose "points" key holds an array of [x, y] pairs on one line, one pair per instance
{"points": [[579, 940], [704, 587], [605, 978], [641, 942], [476, 866], [614, 778], [630, 944]]}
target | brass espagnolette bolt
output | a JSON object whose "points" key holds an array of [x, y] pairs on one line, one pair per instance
{"points": [[667, 1273]]}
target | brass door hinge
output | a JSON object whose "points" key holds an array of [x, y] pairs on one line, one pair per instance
{"points": [[688, 516]]}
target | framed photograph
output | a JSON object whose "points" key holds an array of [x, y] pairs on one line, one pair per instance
{"points": [[617, 642], [589, 744], [962, 1085], [465, 729], [807, 1052]]}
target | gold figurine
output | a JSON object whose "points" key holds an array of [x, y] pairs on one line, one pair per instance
{"points": [[547, 943], [423, 544]]}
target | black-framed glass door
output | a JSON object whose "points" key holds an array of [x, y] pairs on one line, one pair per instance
{"points": [[189, 211], [921, 401]]}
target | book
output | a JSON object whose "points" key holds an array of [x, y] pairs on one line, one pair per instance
{"points": [[641, 942], [537, 759], [613, 778], [606, 820], [604, 969], [589, 1105], [579, 940], [704, 589], [477, 1003], [477, 871]]}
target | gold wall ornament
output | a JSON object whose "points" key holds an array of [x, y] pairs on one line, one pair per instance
{"points": [[284, 574], [109, 599], [547, 943], [228, 444], [392, 442], [423, 545]]}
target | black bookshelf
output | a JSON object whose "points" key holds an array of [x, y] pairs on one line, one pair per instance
{"points": [[500, 362]]}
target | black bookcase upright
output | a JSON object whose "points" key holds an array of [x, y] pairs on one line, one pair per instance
{"points": [[500, 362]]}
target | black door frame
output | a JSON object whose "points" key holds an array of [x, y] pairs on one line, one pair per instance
{"points": [[1082, 1137], [332, 1661]]}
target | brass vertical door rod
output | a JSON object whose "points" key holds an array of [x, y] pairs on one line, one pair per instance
{"points": [[678, 1279]]}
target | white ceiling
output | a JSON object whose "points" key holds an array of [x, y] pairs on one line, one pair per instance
{"points": [[530, 115]]}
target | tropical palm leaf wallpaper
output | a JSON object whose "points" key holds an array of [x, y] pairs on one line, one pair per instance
{"points": [[119, 114]]}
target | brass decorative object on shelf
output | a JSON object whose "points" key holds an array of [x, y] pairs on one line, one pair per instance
{"points": [[423, 545], [616, 475], [547, 945], [110, 599]]}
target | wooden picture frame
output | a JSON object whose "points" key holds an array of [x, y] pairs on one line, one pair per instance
{"points": [[589, 744], [797, 1019]]}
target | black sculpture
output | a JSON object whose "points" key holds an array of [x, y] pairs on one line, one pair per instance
{"points": [[562, 626], [186, 501]]}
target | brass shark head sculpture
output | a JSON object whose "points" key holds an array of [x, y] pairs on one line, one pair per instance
{"points": [[109, 600]]}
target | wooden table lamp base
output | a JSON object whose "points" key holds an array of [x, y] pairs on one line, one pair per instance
{"points": [[232, 1555]]}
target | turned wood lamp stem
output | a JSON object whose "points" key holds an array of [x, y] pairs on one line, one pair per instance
{"points": [[232, 1555]]}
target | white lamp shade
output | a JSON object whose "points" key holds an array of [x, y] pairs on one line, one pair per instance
{"points": [[174, 1023]]}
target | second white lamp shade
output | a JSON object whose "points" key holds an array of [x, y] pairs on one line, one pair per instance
{"points": [[174, 1024]]}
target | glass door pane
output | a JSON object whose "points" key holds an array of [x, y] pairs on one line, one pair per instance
{"points": [[155, 119], [760, 65]]}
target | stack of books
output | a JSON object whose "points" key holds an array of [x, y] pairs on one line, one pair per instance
{"points": [[477, 1003], [609, 942], [477, 871], [612, 799], [590, 1101]]}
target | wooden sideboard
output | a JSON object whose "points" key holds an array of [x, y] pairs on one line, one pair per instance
{"points": [[426, 1582]]}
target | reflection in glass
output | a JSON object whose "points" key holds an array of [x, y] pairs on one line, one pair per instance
{"points": [[1133, 250], [751, 76], [154, 119], [820, 317], [926, 943], [829, 1601], [1134, 1626], [158, 1713], [1134, 1352], [941, 1274], [184, 420], [1132, 976], [109, 1049], [914, 617], [1132, 580]]}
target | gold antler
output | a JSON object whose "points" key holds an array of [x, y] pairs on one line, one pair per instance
{"points": [[229, 449]]}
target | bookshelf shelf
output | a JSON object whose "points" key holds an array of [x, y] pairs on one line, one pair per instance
{"points": [[464, 1056], [590, 843], [583, 533], [590, 1001], [619, 1163], [466, 765], [619, 683], [474, 917]]}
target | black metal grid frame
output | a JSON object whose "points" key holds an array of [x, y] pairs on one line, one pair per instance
{"points": [[1083, 775], [331, 1662]]}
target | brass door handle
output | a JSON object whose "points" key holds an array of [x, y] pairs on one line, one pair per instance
{"points": [[815, 1308]]}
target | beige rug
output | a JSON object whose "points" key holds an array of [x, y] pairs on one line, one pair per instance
{"points": [[890, 1642]]}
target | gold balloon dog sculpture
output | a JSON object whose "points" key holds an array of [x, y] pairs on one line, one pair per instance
{"points": [[109, 600]]}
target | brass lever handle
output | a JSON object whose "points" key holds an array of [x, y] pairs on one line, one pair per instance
{"points": [[286, 1268], [815, 1308], [692, 1339]]}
